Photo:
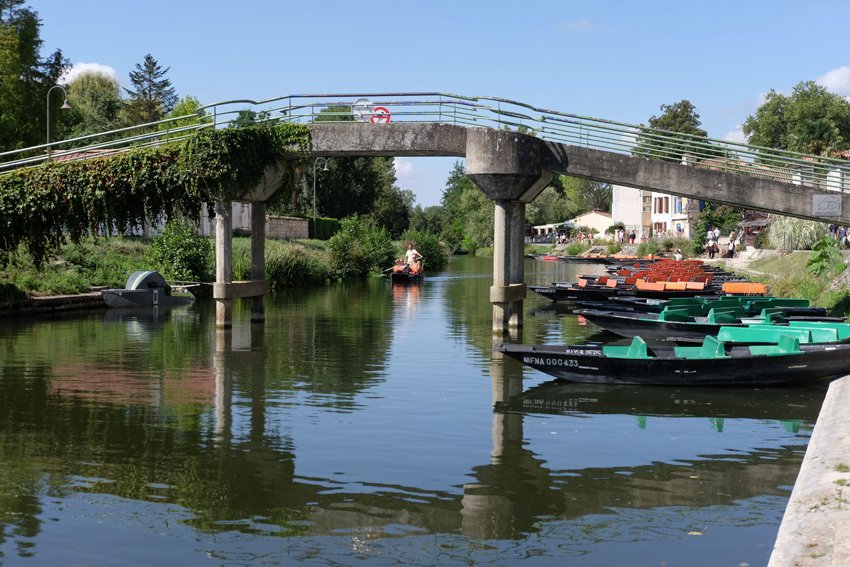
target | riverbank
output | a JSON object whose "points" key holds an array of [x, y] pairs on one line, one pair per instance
{"points": [[52, 304], [816, 524]]}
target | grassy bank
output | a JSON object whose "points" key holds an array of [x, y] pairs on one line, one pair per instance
{"points": [[788, 275], [107, 262]]}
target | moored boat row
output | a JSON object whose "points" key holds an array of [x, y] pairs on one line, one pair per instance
{"points": [[742, 335]]}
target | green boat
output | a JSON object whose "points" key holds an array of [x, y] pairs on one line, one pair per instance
{"points": [[684, 321], [756, 355]]}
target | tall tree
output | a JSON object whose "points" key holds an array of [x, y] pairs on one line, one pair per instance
{"points": [[468, 213], [677, 118], [811, 120], [25, 78], [587, 195], [347, 186], [152, 96], [428, 219], [392, 210], [95, 101], [550, 207], [352, 185]]}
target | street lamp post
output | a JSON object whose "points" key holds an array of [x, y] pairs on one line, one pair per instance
{"points": [[65, 106], [324, 168]]}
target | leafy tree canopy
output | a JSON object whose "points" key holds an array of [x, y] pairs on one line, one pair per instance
{"points": [[811, 120], [26, 78], [551, 206], [95, 102], [680, 117], [587, 195]]}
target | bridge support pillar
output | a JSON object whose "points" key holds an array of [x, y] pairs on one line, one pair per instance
{"points": [[223, 263], [258, 257], [508, 289], [508, 167]]}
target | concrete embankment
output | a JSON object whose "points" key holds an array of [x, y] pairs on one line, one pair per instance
{"points": [[815, 530], [52, 304]]}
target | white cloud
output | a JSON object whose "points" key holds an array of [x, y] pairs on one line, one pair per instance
{"points": [[736, 136], [580, 24], [403, 169], [836, 81], [80, 68]]}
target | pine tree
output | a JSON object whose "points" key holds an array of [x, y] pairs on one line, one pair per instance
{"points": [[152, 96]]}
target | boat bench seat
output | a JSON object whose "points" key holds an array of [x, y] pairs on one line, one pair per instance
{"points": [[841, 329], [769, 334], [675, 314], [720, 315], [759, 304], [787, 345], [637, 349], [711, 348]]}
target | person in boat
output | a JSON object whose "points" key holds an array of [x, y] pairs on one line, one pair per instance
{"points": [[412, 260]]}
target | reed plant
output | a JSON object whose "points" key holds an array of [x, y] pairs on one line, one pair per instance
{"points": [[288, 264]]}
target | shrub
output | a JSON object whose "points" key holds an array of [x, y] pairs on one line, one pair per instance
{"points": [[826, 257], [576, 248], [433, 255], [287, 265], [359, 247], [180, 253], [789, 233], [651, 246]]}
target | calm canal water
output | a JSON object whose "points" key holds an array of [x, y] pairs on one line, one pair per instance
{"points": [[370, 425]]}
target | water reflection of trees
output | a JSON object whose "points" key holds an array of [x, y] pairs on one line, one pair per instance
{"points": [[333, 342], [136, 452], [66, 429]]}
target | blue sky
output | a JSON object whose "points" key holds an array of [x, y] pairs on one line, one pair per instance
{"points": [[619, 60]]}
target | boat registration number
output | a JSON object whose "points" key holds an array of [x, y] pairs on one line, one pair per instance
{"points": [[544, 361]]}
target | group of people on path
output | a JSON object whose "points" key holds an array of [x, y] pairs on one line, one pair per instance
{"points": [[712, 246]]}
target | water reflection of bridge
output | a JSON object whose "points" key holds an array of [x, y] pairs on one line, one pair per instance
{"points": [[512, 493], [235, 469]]}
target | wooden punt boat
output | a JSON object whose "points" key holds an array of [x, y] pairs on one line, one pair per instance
{"points": [[692, 323], [590, 259], [604, 288], [400, 273], [764, 356]]}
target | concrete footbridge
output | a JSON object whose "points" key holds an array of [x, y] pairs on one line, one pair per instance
{"points": [[512, 151]]}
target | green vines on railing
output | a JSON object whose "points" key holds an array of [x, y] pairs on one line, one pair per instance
{"points": [[41, 207]]}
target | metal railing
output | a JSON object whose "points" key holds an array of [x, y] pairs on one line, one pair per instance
{"points": [[820, 172]]}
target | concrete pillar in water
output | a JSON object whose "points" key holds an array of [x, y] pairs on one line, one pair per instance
{"points": [[258, 257], [223, 261], [508, 167]]}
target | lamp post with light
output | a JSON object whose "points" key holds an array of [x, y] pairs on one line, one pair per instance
{"points": [[65, 106], [324, 168]]}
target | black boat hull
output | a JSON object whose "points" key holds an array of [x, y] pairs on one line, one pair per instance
{"points": [[602, 293], [627, 324], [588, 365]]}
